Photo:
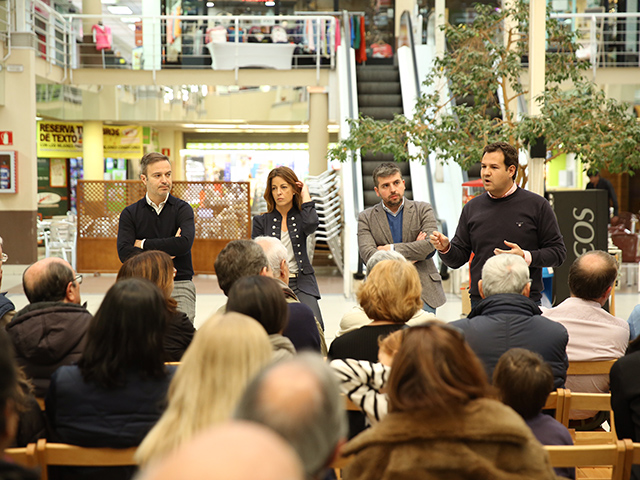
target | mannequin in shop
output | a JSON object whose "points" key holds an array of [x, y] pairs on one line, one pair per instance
{"points": [[102, 38]]}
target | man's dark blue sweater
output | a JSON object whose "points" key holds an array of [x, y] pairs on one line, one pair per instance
{"points": [[140, 221], [524, 218]]}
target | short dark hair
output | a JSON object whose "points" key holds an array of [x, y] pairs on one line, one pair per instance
{"points": [[238, 259], [508, 151], [593, 172], [523, 381], [260, 298], [385, 170], [591, 282], [149, 158], [51, 285], [8, 377], [126, 334]]}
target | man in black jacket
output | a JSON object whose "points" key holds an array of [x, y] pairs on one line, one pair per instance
{"points": [[50, 331], [507, 318], [160, 221]]}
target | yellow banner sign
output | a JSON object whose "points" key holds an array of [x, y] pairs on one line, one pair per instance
{"points": [[64, 140], [59, 140], [122, 142]]}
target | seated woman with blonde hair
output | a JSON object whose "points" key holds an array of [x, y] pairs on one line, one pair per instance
{"points": [[389, 297], [157, 267], [226, 353], [442, 423]]}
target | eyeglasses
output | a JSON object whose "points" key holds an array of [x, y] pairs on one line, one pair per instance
{"points": [[78, 279], [5, 257]]}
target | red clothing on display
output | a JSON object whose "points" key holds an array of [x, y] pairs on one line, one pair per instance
{"points": [[102, 37]]}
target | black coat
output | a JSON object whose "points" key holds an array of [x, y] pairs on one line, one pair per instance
{"points": [[507, 320]]}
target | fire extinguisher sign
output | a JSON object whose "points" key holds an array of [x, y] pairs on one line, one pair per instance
{"points": [[6, 138]]}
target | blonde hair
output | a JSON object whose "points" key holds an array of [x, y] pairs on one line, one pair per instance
{"points": [[226, 353], [392, 292], [391, 343]]}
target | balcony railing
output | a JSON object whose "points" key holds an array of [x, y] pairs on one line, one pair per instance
{"points": [[182, 41], [606, 39]]}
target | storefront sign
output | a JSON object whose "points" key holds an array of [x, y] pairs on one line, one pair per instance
{"points": [[122, 142], [59, 140]]}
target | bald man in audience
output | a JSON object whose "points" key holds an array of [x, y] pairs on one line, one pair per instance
{"points": [[50, 331], [300, 400], [231, 451], [594, 334]]}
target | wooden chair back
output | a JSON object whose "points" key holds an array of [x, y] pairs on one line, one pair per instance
{"points": [[61, 454], [25, 456], [634, 449], [600, 402], [617, 456], [601, 367], [555, 401]]}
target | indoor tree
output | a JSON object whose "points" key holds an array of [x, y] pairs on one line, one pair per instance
{"points": [[484, 61]]}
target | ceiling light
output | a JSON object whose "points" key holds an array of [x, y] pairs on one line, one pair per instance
{"points": [[270, 4], [109, 2], [120, 10], [211, 4]]}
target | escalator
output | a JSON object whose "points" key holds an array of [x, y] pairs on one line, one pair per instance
{"points": [[379, 97]]}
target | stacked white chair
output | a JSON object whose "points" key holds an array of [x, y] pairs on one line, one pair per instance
{"points": [[325, 191]]}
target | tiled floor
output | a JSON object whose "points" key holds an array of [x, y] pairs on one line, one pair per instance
{"points": [[333, 304]]}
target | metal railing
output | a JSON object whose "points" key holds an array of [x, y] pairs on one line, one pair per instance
{"points": [[181, 41], [606, 39]]}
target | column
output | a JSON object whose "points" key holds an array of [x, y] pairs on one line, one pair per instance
{"points": [[18, 211], [537, 16], [178, 167], [88, 53], [318, 136], [92, 151]]}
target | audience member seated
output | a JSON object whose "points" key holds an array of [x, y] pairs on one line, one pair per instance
{"points": [[277, 257], [356, 318], [231, 451], [8, 414], [594, 334], [634, 323], [50, 331], [363, 382], [7, 308], [31, 422], [244, 258], [299, 399], [389, 297], [524, 382], [261, 298], [507, 318], [157, 267], [226, 353], [625, 397], [117, 391], [442, 423]]}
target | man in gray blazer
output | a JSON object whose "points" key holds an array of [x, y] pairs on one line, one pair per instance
{"points": [[400, 224]]}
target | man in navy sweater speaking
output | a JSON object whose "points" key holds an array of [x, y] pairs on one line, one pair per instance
{"points": [[160, 221], [505, 216]]}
